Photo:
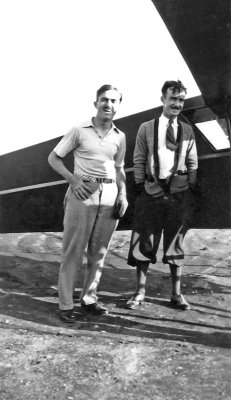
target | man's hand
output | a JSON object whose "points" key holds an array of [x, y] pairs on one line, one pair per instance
{"points": [[80, 188], [121, 205]]}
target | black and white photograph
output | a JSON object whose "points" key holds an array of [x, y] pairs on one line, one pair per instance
{"points": [[115, 200]]}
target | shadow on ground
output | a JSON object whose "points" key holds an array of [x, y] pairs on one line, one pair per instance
{"points": [[28, 292]]}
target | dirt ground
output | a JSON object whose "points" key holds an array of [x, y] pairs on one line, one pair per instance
{"points": [[154, 352]]}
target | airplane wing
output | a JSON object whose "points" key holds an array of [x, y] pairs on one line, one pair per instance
{"points": [[202, 32], [31, 193]]}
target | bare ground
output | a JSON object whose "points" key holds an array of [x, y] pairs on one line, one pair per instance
{"points": [[155, 352]]}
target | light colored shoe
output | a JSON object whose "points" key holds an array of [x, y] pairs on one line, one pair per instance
{"points": [[178, 301], [135, 301]]}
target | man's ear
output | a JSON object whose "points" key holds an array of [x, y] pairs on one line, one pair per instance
{"points": [[95, 103], [162, 99]]}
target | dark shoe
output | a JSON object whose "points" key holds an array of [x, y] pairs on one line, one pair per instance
{"points": [[178, 301], [67, 316], [135, 301], [75, 297], [95, 308]]}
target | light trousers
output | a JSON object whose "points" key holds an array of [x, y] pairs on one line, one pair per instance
{"points": [[88, 228]]}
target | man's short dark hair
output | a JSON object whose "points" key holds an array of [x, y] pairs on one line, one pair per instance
{"points": [[104, 88], [176, 86]]}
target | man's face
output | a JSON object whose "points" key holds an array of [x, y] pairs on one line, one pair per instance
{"points": [[173, 103], [107, 104]]}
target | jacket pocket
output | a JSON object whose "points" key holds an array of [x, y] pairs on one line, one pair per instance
{"points": [[179, 182]]}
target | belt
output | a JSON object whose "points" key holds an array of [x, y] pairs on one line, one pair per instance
{"points": [[97, 180]]}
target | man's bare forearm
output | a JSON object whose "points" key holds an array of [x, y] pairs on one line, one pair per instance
{"points": [[58, 166], [121, 181]]}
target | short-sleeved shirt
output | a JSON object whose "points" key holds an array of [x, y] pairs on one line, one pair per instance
{"points": [[94, 155]]}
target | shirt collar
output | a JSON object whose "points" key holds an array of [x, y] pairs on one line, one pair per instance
{"points": [[165, 120], [89, 123]]}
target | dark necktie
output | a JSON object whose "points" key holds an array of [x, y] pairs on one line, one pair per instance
{"points": [[171, 142]]}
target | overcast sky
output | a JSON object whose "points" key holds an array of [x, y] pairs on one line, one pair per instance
{"points": [[56, 53]]}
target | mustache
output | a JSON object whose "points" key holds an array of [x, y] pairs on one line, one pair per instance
{"points": [[176, 108]]}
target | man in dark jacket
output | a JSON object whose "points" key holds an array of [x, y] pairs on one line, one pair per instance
{"points": [[165, 166]]}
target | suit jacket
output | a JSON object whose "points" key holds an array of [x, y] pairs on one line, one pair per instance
{"points": [[145, 159]]}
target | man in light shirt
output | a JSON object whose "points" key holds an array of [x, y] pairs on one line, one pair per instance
{"points": [[165, 167], [94, 201]]}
